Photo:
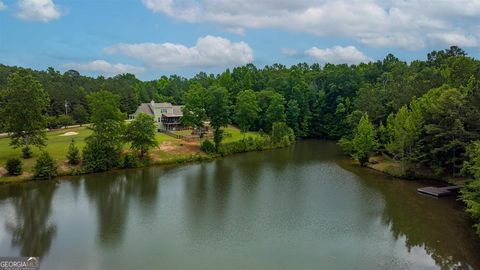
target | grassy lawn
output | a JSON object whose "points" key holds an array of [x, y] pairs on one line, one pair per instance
{"points": [[57, 146], [236, 134], [185, 132]]}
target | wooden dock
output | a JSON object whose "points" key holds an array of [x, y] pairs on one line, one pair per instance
{"points": [[439, 191]]}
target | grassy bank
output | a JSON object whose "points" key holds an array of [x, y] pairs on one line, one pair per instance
{"points": [[169, 151], [393, 168]]}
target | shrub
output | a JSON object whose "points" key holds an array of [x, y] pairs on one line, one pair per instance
{"points": [[73, 154], [130, 161], [346, 146], [14, 166], [282, 135], [45, 168], [250, 144], [98, 157], [26, 152], [207, 147]]}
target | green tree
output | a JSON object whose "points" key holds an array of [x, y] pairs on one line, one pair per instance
{"points": [[471, 192], [364, 141], [23, 111], [293, 115], [403, 130], [141, 133], [80, 114], [218, 112], [73, 154], [275, 111], [46, 167], [282, 134], [103, 147], [246, 110], [195, 111]]}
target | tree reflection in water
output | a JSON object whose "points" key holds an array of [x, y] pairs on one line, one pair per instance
{"points": [[112, 194], [32, 230], [423, 221]]}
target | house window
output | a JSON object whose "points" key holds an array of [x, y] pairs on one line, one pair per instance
{"points": [[159, 119], [163, 110]]}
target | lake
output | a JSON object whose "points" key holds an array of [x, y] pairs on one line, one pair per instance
{"points": [[304, 207]]}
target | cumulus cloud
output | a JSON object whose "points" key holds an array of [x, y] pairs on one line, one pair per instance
{"points": [[105, 68], [2, 6], [38, 10], [378, 23], [338, 55], [209, 51]]}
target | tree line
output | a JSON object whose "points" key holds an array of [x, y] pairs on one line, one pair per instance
{"points": [[423, 113]]}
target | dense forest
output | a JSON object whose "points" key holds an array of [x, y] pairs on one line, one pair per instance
{"points": [[422, 114]]}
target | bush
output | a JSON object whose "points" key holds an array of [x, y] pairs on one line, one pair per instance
{"points": [[98, 157], [27, 152], [250, 144], [130, 161], [14, 166], [73, 154], [346, 146], [282, 135], [45, 168], [207, 147]]}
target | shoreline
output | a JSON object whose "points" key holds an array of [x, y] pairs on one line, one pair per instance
{"points": [[198, 157]]}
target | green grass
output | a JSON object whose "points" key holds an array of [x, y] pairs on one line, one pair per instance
{"points": [[57, 146], [185, 132], [236, 134]]}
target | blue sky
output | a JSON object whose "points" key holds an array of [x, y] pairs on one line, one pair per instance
{"points": [[160, 37]]}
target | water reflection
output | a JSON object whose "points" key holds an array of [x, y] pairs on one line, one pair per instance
{"points": [[435, 225], [32, 230], [112, 194], [298, 208]]}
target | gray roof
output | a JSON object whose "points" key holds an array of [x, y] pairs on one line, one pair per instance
{"points": [[148, 108], [144, 108]]}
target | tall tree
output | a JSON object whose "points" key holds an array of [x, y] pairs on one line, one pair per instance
{"points": [[403, 130], [195, 111], [23, 111], [246, 110], [293, 115], [102, 151], [218, 112], [141, 133], [471, 192], [364, 141], [275, 111]]}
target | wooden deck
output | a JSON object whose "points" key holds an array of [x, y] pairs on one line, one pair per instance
{"points": [[439, 191]]}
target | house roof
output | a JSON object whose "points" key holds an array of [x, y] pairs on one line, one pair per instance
{"points": [[144, 108], [148, 108]]}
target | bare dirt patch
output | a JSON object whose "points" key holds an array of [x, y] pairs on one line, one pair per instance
{"points": [[3, 171], [182, 148]]}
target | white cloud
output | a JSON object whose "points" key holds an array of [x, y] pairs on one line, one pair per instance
{"points": [[289, 51], [377, 23], [2, 6], [38, 10], [455, 38], [338, 55], [209, 51], [105, 68]]}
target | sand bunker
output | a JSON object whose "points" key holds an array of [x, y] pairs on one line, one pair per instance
{"points": [[71, 133]]}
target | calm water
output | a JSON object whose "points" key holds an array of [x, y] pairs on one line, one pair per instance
{"points": [[299, 208]]}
